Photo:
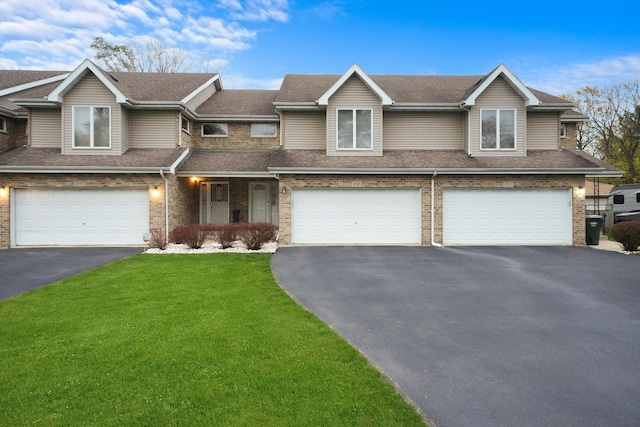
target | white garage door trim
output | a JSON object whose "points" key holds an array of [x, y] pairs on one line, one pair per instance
{"points": [[370, 216], [507, 217], [79, 217]]}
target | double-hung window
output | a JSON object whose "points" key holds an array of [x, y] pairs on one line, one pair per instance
{"points": [[91, 127], [498, 129], [354, 129]]}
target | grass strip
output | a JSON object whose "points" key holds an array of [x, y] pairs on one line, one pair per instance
{"points": [[182, 340]]}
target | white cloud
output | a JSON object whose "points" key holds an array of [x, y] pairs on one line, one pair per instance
{"points": [[34, 33], [571, 77]]}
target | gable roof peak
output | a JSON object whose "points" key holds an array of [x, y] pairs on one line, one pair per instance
{"points": [[78, 74], [355, 69], [502, 70]]}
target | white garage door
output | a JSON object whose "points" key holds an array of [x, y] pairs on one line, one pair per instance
{"points": [[355, 216], [80, 217], [507, 217]]}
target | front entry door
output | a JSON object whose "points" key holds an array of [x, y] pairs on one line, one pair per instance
{"points": [[263, 202], [214, 202]]}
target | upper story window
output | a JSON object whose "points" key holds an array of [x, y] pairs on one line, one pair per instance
{"points": [[498, 129], [215, 129], [185, 124], [3, 124], [264, 130], [354, 129], [91, 127], [563, 130], [618, 199]]}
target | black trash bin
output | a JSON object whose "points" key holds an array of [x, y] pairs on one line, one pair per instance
{"points": [[594, 226]]}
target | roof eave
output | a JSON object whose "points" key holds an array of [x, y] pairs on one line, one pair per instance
{"points": [[445, 171], [237, 118], [225, 174], [424, 106], [82, 169], [530, 98], [31, 85]]}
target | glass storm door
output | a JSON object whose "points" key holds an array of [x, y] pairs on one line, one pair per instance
{"points": [[264, 202], [214, 202]]}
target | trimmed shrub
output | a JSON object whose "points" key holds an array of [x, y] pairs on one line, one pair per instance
{"points": [[226, 234], [158, 239], [627, 233], [193, 235], [256, 234]]}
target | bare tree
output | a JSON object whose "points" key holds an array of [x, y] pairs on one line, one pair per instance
{"points": [[613, 130], [148, 56]]}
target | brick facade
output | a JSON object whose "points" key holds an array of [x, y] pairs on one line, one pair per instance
{"points": [[15, 134], [570, 141], [239, 137], [423, 182]]}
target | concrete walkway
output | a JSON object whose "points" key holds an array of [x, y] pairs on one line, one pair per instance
{"points": [[607, 245]]}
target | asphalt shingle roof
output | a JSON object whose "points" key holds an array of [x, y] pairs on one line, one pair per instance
{"points": [[401, 88], [227, 161], [157, 86], [52, 158], [11, 78], [437, 159], [240, 103]]}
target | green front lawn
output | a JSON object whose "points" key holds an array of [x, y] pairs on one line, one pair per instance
{"points": [[193, 340]]}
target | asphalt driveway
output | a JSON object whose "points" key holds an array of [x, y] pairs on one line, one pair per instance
{"points": [[25, 269], [486, 336]]}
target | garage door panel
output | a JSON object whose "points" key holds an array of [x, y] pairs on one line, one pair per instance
{"points": [[509, 216], [356, 216], [81, 217]]}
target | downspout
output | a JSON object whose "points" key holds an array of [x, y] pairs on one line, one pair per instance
{"points": [[433, 211], [166, 205]]}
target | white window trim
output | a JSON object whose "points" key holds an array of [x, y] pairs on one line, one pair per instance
{"points": [[563, 130], [275, 133], [515, 129], [3, 124], [226, 125], [91, 141], [188, 129], [353, 110]]}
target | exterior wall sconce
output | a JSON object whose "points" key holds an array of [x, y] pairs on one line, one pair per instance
{"points": [[195, 179], [4, 191], [155, 191], [283, 190], [581, 191]]}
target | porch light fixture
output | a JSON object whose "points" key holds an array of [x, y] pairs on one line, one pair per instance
{"points": [[283, 190], [155, 191], [195, 179], [4, 191], [581, 191]]}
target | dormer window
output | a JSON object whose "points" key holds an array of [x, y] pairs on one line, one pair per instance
{"points": [[354, 129], [91, 127], [498, 129]]}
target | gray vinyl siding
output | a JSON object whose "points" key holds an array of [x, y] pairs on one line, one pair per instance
{"points": [[304, 131], [205, 94], [124, 116], [354, 94], [499, 96], [90, 92], [46, 128], [543, 131], [423, 131], [153, 129]]}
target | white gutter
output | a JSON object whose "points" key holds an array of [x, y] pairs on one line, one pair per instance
{"points": [[75, 169], [433, 212], [469, 132], [441, 171], [225, 174], [178, 162]]}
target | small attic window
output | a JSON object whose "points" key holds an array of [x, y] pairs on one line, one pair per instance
{"points": [[563, 130], [185, 124]]}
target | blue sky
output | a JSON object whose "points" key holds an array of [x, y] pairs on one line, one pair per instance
{"points": [[553, 45]]}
